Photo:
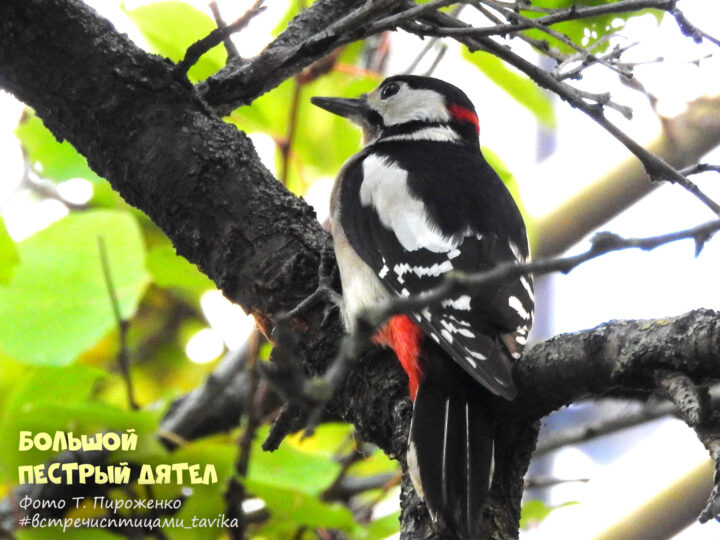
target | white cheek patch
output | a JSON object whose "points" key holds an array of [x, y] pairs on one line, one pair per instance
{"points": [[437, 133], [413, 104], [385, 188]]}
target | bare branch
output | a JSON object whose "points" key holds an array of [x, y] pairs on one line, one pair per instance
{"points": [[122, 323], [588, 431], [217, 36], [700, 168], [539, 44], [230, 47], [587, 57], [689, 29], [558, 16]]}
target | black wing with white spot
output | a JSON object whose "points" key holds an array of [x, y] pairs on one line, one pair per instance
{"points": [[414, 216]]}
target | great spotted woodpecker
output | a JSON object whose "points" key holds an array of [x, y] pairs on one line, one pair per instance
{"points": [[418, 201]]}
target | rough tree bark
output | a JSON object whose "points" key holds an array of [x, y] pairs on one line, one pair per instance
{"points": [[199, 179]]}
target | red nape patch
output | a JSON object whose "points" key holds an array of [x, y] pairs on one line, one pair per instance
{"points": [[403, 335], [461, 114]]}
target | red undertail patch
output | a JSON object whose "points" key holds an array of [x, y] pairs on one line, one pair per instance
{"points": [[461, 114], [404, 336]]}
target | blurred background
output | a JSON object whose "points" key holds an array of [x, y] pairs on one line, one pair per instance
{"points": [[66, 238]]}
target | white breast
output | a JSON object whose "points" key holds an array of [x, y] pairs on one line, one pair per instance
{"points": [[361, 287]]}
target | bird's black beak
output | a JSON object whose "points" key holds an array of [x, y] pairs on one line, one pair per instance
{"points": [[353, 109]]}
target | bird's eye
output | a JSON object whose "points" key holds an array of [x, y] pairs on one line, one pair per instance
{"points": [[389, 90]]}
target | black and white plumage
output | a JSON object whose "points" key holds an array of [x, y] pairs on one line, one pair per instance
{"points": [[417, 202]]}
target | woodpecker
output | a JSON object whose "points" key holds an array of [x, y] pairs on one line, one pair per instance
{"points": [[418, 201]]}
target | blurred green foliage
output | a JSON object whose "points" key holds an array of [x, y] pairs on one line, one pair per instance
{"points": [[534, 511], [591, 32], [59, 338]]}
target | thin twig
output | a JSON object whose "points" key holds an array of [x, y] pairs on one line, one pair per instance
{"points": [[252, 407], [438, 58], [588, 57], [561, 15], [700, 168], [605, 100], [235, 493], [285, 145], [544, 482], [123, 325], [230, 47], [588, 431], [690, 29], [216, 37], [429, 45], [426, 49], [411, 13], [624, 69], [539, 44]]}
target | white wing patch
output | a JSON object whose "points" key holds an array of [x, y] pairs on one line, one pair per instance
{"points": [[515, 303], [461, 303], [384, 186], [528, 288], [434, 270], [519, 257]]}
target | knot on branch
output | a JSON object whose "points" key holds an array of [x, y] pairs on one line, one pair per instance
{"points": [[606, 241]]}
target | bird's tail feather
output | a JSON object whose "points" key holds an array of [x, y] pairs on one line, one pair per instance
{"points": [[450, 449]]}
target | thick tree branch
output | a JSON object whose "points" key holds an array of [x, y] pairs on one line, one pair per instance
{"points": [[317, 30]]}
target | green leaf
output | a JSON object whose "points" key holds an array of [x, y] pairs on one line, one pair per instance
{"points": [[534, 511], [375, 463], [290, 508], [49, 399], [311, 156], [171, 27], [206, 501], [379, 529], [327, 440], [57, 304], [168, 269], [9, 257], [290, 481], [290, 468], [518, 86], [50, 533], [55, 160]]}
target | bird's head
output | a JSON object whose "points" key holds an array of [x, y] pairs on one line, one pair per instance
{"points": [[409, 107]]}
